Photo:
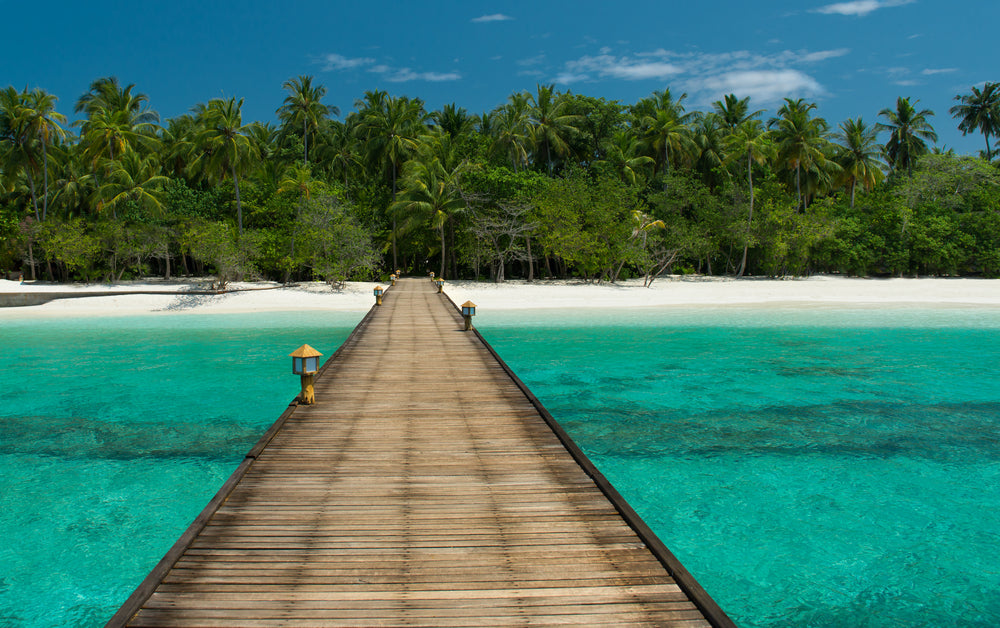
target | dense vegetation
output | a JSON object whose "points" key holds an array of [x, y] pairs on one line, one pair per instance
{"points": [[549, 184]]}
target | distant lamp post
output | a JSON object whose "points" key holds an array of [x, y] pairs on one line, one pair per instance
{"points": [[468, 311], [305, 362], [379, 291], [392, 278], [440, 284], [432, 275]]}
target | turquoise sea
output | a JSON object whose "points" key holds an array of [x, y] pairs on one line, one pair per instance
{"points": [[811, 467]]}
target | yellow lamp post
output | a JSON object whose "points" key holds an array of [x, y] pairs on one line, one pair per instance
{"points": [[440, 284], [432, 275], [305, 362], [392, 278], [468, 311], [378, 295]]}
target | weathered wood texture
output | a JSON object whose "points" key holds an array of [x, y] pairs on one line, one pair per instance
{"points": [[423, 488]]}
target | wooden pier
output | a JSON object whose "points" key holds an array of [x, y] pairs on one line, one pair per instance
{"points": [[426, 487]]}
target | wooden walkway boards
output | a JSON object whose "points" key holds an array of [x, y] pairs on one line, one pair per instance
{"points": [[424, 488]]}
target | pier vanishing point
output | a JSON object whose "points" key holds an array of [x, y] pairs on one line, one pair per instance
{"points": [[426, 487]]}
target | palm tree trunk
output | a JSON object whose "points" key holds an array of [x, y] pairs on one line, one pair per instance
{"points": [[442, 252], [395, 264], [239, 208], [854, 186], [798, 188], [34, 197], [45, 173], [746, 238], [451, 249], [531, 264], [31, 258]]}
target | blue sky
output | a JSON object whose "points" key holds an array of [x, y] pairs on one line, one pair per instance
{"points": [[852, 57]]}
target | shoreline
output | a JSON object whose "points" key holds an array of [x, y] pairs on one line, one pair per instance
{"points": [[193, 296]]}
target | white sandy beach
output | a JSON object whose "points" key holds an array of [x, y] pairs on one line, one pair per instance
{"points": [[665, 292]]}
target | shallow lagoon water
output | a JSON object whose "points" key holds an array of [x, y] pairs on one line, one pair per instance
{"points": [[811, 466], [115, 433]]}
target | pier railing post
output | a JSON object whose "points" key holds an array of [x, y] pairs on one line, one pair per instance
{"points": [[468, 311], [305, 362]]}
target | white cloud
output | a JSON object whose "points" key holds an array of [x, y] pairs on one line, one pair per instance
{"points": [[536, 60], [933, 71], [566, 78], [823, 55], [336, 62], [340, 62], [762, 86], [608, 66], [405, 75], [494, 17], [859, 8], [763, 77]]}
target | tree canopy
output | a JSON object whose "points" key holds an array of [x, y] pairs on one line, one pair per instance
{"points": [[549, 183]]}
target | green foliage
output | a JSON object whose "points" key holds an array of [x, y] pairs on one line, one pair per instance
{"points": [[183, 201], [578, 185], [220, 246], [587, 223], [502, 183], [332, 243], [69, 244]]}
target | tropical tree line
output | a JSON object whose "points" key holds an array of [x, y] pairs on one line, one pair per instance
{"points": [[548, 184]]}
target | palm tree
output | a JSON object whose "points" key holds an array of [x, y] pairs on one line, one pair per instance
{"points": [[134, 178], [227, 149], [908, 128], [108, 93], [43, 121], [388, 129], [178, 141], [980, 111], [302, 105], [860, 155], [298, 180], [110, 133], [550, 124], [707, 135], [73, 185], [19, 150], [734, 111], [430, 192], [801, 140], [623, 156], [659, 101], [454, 120], [117, 122], [510, 129], [666, 137], [339, 150], [750, 140]]}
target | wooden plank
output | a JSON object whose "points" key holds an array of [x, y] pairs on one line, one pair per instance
{"points": [[424, 487]]}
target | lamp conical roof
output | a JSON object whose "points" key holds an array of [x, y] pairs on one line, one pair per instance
{"points": [[305, 351]]}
